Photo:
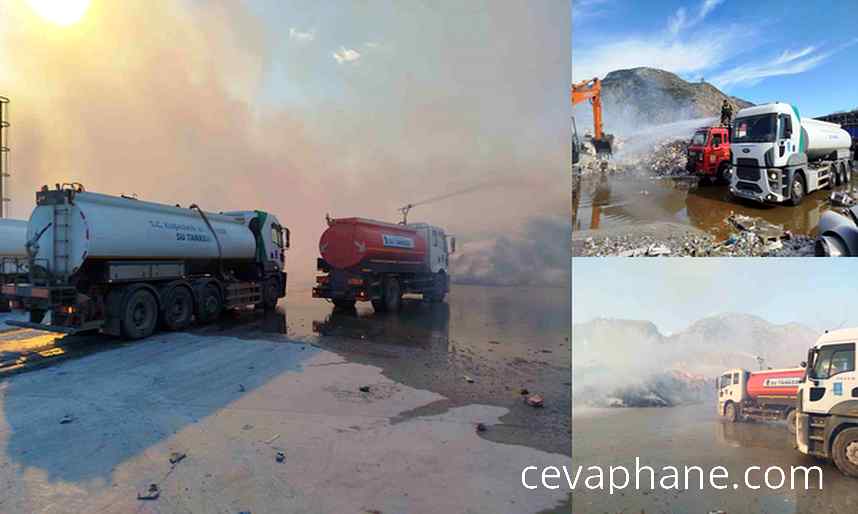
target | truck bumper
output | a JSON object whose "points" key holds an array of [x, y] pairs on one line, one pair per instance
{"points": [[760, 185]]}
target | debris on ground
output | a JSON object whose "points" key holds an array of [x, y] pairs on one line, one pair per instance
{"points": [[668, 157], [481, 427], [653, 250], [842, 199], [535, 400], [152, 493], [469, 379], [272, 439], [280, 456], [177, 457], [494, 342], [68, 418], [523, 391], [364, 389]]}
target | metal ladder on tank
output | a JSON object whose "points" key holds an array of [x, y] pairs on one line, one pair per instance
{"points": [[61, 243]]}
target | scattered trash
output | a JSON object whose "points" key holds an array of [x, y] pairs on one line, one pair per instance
{"points": [[68, 418], [523, 391], [247, 427], [494, 342], [364, 389], [281, 456], [152, 493], [469, 379], [535, 400], [842, 199], [272, 439], [481, 427], [177, 457]]}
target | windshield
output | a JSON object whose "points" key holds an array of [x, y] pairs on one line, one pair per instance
{"points": [[699, 138], [834, 359], [755, 129], [725, 380]]}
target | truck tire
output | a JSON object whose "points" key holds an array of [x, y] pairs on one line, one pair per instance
{"points": [[844, 452], [139, 314], [439, 288], [270, 293], [847, 177], [731, 413], [210, 305], [790, 421], [797, 189], [344, 305], [392, 295], [724, 173], [177, 307]]}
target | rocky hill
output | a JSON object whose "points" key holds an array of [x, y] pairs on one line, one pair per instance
{"points": [[639, 97], [631, 363]]}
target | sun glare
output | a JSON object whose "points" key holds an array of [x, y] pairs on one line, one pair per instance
{"points": [[61, 12]]}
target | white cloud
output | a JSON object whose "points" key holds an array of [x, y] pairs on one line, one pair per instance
{"points": [[297, 35], [790, 62], [344, 55], [680, 20], [583, 9]]}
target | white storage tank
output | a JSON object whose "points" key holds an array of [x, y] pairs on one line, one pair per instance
{"points": [[13, 238], [109, 227], [823, 138]]}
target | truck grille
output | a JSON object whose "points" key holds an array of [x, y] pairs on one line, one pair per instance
{"points": [[748, 173], [747, 186]]}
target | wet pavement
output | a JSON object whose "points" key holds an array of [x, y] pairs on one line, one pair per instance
{"points": [[694, 435], [605, 201], [453, 363]]}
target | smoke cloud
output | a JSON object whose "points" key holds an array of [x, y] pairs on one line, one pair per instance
{"points": [[299, 108]]}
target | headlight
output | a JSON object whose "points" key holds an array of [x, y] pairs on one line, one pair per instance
{"points": [[773, 175]]}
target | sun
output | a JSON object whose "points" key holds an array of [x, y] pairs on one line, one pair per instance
{"points": [[61, 12]]}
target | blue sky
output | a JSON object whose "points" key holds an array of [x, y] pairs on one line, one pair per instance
{"points": [[673, 293], [795, 51]]}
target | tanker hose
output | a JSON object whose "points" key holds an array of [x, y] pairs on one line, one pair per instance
{"points": [[219, 248]]}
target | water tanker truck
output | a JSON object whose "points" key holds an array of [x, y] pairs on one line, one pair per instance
{"points": [[827, 420], [778, 156], [761, 395], [124, 266], [13, 254], [375, 261]]}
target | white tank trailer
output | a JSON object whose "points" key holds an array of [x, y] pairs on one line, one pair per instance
{"points": [[779, 156], [13, 254], [122, 265]]}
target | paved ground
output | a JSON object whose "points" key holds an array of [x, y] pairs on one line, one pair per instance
{"points": [[230, 404]]}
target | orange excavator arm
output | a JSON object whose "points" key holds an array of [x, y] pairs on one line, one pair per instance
{"points": [[592, 90]]}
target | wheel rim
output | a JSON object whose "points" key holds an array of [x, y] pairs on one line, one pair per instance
{"points": [[797, 189], [852, 453], [141, 314], [179, 307]]}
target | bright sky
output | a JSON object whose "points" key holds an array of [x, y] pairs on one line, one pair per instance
{"points": [[799, 52], [673, 293]]}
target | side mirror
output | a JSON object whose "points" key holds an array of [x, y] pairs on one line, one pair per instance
{"points": [[286, 237], [452, 245]]}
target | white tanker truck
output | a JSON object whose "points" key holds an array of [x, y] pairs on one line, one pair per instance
{"points": [[13, 254], [122, 266], [778, 156]]}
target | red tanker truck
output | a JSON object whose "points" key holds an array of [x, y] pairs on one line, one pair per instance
{"points": [[375, 261], [770, 394]]}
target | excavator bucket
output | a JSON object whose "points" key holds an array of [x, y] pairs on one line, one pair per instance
{"points": [[604, 146]]}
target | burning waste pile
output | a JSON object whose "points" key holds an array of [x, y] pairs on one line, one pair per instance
{"points": [[668, 158], [664, 389], [749, 237], [665, 158]]}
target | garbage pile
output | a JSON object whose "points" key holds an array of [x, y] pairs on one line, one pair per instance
{"points": [[756, 237], [668, 157]]}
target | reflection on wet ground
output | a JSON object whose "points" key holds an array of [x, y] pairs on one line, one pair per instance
{"points": [[607, 201], [503, 339], [695, 436]]}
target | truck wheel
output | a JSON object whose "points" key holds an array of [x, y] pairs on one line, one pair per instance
{"points": [[270, 293], [139, 314], [392, 295], [731, 413], [797, 190], [344, 305], [845, 452], [790, 421], [834, 178], [177, 308], [724, 173], [847, 176], [210, 306]]}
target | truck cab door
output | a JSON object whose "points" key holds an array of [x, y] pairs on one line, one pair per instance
{"points": [[833, 379], [785, 131]]}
